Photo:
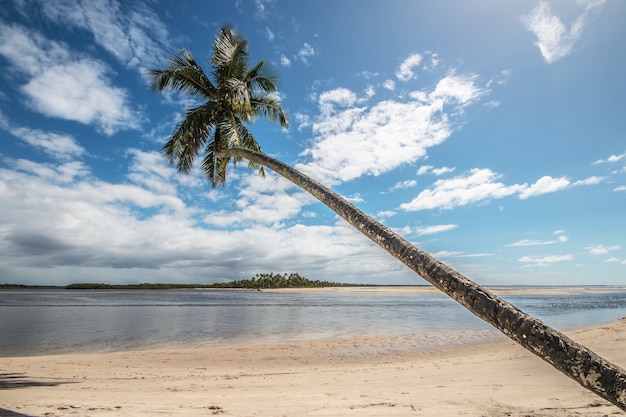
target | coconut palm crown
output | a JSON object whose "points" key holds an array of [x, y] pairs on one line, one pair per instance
{"points": [[234, 94]]}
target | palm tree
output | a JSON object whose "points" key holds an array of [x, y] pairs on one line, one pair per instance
{"points": [[238, 95]]}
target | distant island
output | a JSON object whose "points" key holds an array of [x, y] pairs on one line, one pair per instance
{"points": [[258, 282]]}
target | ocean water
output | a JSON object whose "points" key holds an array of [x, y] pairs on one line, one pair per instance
{"points": [[36, 322]]}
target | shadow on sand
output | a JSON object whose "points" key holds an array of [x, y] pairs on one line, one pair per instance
{"points": [[9, 413], [16, 381]]}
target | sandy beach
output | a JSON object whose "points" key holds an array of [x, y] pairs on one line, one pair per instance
{"points": [[375, 376]]}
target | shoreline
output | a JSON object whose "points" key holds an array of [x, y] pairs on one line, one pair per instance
{"points": [[369, 376], [424, 289]]}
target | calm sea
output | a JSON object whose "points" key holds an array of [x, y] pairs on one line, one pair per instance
{"points": [[35, 322]]}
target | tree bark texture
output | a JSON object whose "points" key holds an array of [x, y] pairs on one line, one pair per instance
{"points": [[573, 359]]}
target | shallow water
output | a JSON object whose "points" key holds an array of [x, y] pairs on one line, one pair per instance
{"points": [[35, 322]]}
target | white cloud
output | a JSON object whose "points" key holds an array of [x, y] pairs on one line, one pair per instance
{"points": [[478, 185], [284, 61], [389, 85], [459, 90], [351, 141], [527, 242], [406, 70], [368, 75], [385, 214], [269, 34], [303, 120], [554, 39], [59, 146], [601, 249], [544, 185], [446, 254], [442, 170], [589, 181], [261, 201], [425, 169], [430, 230], [65, 86], [545, 260], [481, 185], [91, 100], [306, 52], [64, 173], [339, 97], [610, 159], [151, 171], [400, 185], [620, 188], [134, 35]]}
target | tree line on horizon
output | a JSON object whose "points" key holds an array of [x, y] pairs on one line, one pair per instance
{"points": [[259, 281]]}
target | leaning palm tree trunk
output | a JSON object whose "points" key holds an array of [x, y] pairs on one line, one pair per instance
{"points": [[574, 360]]}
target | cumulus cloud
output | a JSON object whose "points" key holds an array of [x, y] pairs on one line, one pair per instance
{"points": [[352, 139], [56, 93], [63, 85], [544, 185], [268, 200], [478, 185], [339, 97], [481, 185], [406, 71], [554, 39]]}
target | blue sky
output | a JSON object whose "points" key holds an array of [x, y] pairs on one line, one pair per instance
{"points": [[490, 134]]}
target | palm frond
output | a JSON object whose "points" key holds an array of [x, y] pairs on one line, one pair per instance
{"points": [[262, 78], [190, 137], [185, 75], [268, 106], [230, 56], [214, 167]]}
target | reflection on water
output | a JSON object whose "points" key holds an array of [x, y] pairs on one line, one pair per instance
{"points": [[56, 321]]}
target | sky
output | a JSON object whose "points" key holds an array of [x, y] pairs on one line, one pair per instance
{"points": [[490, 134]]}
